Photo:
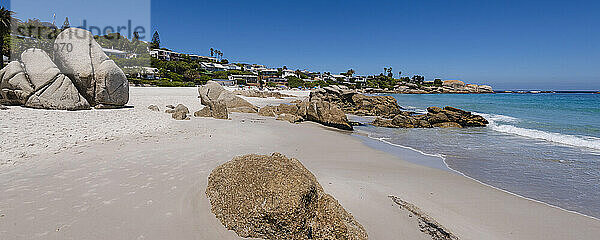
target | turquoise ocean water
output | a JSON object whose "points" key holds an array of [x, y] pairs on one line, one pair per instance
{"points": [[541, 146]]}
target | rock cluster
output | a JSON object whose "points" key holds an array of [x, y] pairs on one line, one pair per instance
{"points": [[219, 102], [260, 94], [180, 112], [318, 111], [275, 197], [352, 102], [77, 79], [447, 117]]}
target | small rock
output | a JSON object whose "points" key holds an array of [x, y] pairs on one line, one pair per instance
{"points": [[154, 108], [2, 107], [180, 116], [170, 106]]}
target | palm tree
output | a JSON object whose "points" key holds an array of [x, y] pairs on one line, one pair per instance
{"points": [[6, 17]]}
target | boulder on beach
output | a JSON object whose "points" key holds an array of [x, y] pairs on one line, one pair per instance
{"points": [[180, 112], [217, 110], [352, 102], [74, 79], [275, 197], [100, 80], [212, 91], [41, 86], [316, 111], [268, 111], [324, 113]]}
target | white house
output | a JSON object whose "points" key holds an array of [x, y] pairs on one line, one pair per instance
{"points": [[213, 67]]}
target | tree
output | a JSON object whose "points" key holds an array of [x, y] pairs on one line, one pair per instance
{"points": [[212, 52], [66, 24], [437, 82], [6, 17], [389, 72], [155, 40], [350, 72], [136, 37], [294, 82]]}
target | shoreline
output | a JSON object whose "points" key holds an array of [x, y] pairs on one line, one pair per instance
{"points": [[443, 160], [152, 183]]}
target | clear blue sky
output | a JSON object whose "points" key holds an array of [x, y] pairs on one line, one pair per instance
{"points": [[508, 44]]}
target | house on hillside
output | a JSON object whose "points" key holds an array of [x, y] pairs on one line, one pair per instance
{"points": [[248, 79], [288, 73], [212, 67], [115, 53]]}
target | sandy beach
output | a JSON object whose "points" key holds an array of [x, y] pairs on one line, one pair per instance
{"points": [[137, 174]]}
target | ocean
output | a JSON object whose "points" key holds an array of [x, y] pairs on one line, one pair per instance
{"points": [[541, 146]]}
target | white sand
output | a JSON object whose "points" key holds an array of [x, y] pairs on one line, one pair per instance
{"points": [[147, 180]]}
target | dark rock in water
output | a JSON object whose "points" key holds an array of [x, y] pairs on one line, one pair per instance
{"points": [[153, 108], [274, 197], [437, 117], [447, 125], [434, 110], [382, 122], [2, 107], [170, 106]]}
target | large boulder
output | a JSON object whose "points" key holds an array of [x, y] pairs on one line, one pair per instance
{"points": [[36, 82], [97, 77], [324, 113], [212, 92], [268, 111], [14, 85], [448, 117], [352, 102], [275, 197]]}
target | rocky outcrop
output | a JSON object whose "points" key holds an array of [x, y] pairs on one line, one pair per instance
{"points": [[97, 77], [352, 102], [324, 113], [275, 197], [447, 117], [316, 111], [260, 94], [212, 94], [36, 82], [78, 78]]}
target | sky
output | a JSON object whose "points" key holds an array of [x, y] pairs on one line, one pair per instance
{"points": [[507, 44]]}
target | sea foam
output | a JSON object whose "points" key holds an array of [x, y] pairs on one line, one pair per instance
{"points": [[565, 139], [571, 140]]}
